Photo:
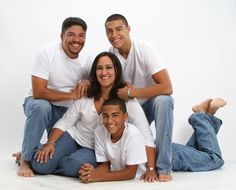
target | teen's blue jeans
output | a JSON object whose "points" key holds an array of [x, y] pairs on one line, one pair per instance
{"points": [[160, 110], [41, 115], [67, 159], [202, 152]]}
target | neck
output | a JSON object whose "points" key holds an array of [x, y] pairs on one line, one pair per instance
{"points": [[124, 51]]}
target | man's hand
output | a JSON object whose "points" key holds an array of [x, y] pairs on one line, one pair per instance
{"points": [[82, 88], [149, 176], [87, 173]]}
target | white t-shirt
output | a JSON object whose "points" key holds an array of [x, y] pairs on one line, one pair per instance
{"points": [[142, 62], [129, 150], [81, 119], [61, 72]]}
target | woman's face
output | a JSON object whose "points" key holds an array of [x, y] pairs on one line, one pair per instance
{"points": [[105, 72]]}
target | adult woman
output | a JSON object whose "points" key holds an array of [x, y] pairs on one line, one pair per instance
{"points": [[71, 142]]}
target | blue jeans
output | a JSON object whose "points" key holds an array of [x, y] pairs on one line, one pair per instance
{"points": [[202, 152], [67, 159], [160, 109], [41, 115]]}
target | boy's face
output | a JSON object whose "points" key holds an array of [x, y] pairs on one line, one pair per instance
{"points": [[114, 119], [117, 33]]}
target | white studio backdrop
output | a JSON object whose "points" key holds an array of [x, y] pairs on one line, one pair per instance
{"points": [[196, 39]]}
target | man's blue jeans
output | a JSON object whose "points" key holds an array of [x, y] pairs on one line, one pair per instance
{"points": [[160, 109], [67, 159], [41, 115], [202, 152]]}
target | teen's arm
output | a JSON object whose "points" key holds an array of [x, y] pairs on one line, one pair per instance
{"points": [[102, 173], [163, 86]]}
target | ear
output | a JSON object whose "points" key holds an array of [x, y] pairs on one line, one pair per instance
{"points": [[62, 35], [126, 116], [129, 28]]}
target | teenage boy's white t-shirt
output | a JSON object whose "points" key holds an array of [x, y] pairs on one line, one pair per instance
{"points": [[129, 150]]}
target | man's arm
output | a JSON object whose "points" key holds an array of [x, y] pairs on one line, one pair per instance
{"points": [[163, 86], [40, 91]]}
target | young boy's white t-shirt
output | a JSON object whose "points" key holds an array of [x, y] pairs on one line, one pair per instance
{"points": [[129, 150]]}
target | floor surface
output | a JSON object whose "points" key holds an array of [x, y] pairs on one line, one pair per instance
{"points": [[222, 179]]}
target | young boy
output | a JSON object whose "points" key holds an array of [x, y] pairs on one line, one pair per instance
{"points": [[119, 146]]}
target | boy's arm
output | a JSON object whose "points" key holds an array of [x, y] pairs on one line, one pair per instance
{"points": [[102, 173], [163, 86]]}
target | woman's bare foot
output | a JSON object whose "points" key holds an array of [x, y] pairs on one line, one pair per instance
{"points": [[215, 104], [164, 177], [202, 107], [24, 169], [17, 155]]}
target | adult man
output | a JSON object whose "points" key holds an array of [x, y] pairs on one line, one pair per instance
{"points": [[56, 82], [150, 83]]}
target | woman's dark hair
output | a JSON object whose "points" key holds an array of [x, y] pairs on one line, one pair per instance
{"points": [[95, 90]]}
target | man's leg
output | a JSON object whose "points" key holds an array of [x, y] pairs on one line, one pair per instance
{"points": [[160, 109], [208, 155]]}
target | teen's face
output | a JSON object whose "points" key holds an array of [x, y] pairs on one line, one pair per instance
{"points": [[114, 119], [105, 72], [73, 40], [117, 33]]}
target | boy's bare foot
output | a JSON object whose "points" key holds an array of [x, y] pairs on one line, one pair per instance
{"points": [[17, 155], [202, 107], [215, 104], [24, 169], [164, 177]]}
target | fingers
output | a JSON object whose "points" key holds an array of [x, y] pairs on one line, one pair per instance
{"points": [[82, 91]]}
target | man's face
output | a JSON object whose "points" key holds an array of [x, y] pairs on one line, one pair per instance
{"points": [[73, 40], [114, 119], [117, 33]]}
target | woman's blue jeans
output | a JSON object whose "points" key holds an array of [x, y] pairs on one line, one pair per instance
{"points": [[202, 152], [67, 159]]}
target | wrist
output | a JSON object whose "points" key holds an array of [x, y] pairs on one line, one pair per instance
{"points": [[51, 142]]}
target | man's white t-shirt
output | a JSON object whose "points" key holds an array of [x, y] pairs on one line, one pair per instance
{"points": [[61, 72], [129, 150], [142, 62]]}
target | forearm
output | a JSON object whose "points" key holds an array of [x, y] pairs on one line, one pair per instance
{"points": [[151, 157], [125, 174], [151, 91], [53, 95], [55, 135]]}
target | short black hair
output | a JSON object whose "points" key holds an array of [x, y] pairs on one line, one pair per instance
{"points": [[117, 17], [70, 21], [116, 101]]}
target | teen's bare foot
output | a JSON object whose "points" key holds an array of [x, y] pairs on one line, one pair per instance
{"points": [[164, 177], [215, 104], [202, 107], [24, 169], [17, 155]]}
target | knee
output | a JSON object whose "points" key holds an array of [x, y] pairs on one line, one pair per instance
{"points": [[42, 168], [41, 107], [162, 100]]}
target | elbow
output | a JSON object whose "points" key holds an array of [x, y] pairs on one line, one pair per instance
{"points": [[169, 90]]}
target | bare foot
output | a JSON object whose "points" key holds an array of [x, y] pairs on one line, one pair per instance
{"points": [[17, 155], [24, 169], [202, 107], [164, 177], [215, 104]]}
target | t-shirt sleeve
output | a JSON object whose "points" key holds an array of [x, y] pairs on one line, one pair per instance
{"points": [[100, 150], [41, 65], [152, 59], [135, 149]]}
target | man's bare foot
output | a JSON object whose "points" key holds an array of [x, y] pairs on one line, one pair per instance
{"points": [[215, 104], [17, 155], [202, 107], [24, 170], [164, 177]]}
